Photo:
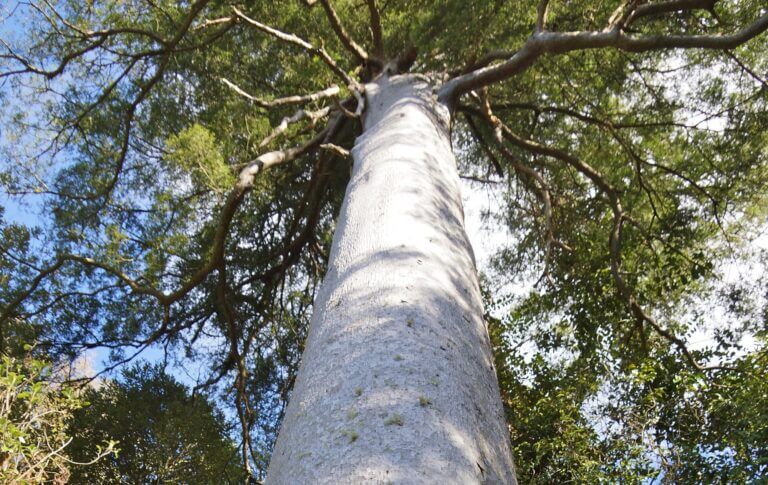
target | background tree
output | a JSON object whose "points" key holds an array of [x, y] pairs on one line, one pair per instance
{"points": [[626, 140], [164, 434], [34, 410]]}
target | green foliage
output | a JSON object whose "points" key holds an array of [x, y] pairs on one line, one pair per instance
{"points": [[34, 412], [718, 426], [194, 150], [592, 393], [163, 433]]}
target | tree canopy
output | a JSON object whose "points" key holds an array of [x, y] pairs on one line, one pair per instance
{"points": [[625, 143], [164, 434]]}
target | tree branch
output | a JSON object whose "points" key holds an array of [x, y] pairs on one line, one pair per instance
{"points": [[330, 92], [376, 32], [746, 69], [483, 145], [166, 53], [558, 43], [301, 114], [541, 186], [613, 127], [335, 149], [243, 185], [341, 33], [653, 9], [473, 65], [612, 194], [541, 15], [303, 44], [87, 34]]}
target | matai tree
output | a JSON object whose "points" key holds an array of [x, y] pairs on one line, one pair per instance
{"points": [[199, 166]]}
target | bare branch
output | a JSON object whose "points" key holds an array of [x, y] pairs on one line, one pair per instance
{"points": [[360, 103], [343, 110], [653, 9], [619, 16], [330, 92], [376, 32], [342, 152], [301, 114], [209, 22], [541, 15], [342, 34], [480, 180]]}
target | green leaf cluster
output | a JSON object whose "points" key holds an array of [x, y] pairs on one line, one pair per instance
{"points": [[34, 417], [195, 151]]}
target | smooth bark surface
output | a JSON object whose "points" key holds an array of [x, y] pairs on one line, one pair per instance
{"points": [[397, 383]]}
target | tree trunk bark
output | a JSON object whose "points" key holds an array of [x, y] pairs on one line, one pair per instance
{"points": [[397, 383]]}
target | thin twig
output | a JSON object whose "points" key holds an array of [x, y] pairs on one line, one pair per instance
{"points": [[340, 151], [299, 42], [619, 216], [312, 116]]}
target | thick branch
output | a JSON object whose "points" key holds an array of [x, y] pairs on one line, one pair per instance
{"points": [[558, 43], [473, 65], [652, 9]]}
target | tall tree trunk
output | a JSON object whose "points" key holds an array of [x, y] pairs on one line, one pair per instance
{"points": [[397, 382]]}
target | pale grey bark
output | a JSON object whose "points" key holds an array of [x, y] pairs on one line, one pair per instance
{"points": [[397, 383]]}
